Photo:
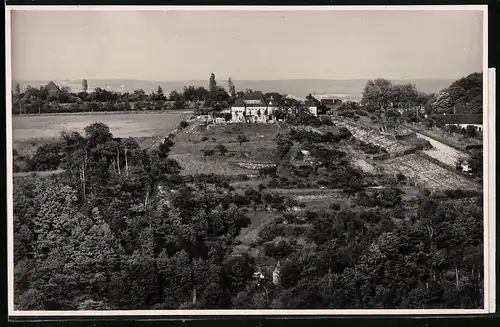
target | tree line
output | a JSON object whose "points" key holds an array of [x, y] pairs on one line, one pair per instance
{"points": [[61, 99]]}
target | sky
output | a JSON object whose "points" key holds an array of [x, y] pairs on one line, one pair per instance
{"points": [[245, 45]]}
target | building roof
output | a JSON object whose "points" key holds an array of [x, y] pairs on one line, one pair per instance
{"points": [[272, 102], [257, 95], [275, 96], [309, 104], [464, 119], [51, 86], [239, 103]]}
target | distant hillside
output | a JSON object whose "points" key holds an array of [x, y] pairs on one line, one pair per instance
{"points": [[297, 87]]}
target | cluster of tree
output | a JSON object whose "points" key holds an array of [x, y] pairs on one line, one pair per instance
{"points": [[51, 156], [120, 229], [381, 95], [360, 258], [466, 92], [327, 168], [303, 117], [61, 99]]}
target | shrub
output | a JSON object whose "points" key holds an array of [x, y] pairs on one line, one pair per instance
{"points": [[335, 206], [268, 171], [279, 249], [208, 152], [271, 231], [204, 138], [47, 157], [183, 124], [326, 120], [222, 149]]}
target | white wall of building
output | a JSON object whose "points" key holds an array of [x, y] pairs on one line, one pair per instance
{"points": [[313, 110], [252, 114]]}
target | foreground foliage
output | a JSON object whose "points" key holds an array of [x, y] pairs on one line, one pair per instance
{"points": [[120, 229]]}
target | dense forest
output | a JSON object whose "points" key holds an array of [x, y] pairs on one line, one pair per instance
{"points": [[121, 228]]}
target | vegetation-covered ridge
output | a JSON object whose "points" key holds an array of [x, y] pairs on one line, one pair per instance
{"points": [[120, 228]]}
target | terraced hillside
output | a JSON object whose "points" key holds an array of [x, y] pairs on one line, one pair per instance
{"points": [[442, 152], [414, 166], [369, 135], [429, 175]]}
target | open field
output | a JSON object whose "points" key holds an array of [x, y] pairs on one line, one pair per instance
{"points": [[136, 125], [229, 133]]}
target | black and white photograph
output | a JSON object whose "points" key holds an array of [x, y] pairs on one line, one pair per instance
{"points": [[247, 160]]}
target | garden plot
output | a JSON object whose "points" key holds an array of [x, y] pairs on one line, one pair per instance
{"points": [[194, 165], [429, 175]]}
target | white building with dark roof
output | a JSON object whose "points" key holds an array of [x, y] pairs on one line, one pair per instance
{"points": [[253, 107]]}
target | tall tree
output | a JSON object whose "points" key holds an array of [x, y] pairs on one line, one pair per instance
{"points": [[212, 83], [232, 89], [377, 94], [17, 90], [85, 85]]}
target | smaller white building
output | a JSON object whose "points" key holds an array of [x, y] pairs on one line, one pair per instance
{"points": [[312, 107]]}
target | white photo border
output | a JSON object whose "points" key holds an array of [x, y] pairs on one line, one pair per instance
{"points": [[489, 188]]}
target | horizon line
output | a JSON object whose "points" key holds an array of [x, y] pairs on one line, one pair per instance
{"points": [[246, 80]]}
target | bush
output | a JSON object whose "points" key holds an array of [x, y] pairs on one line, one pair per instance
{"points": [[279, 249], [271, 231], [326, 120], [347, 114], [47, 157], [268, 171], [222, 149], [183, 124], [208, 152], [204, 138], [335, 206]]}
